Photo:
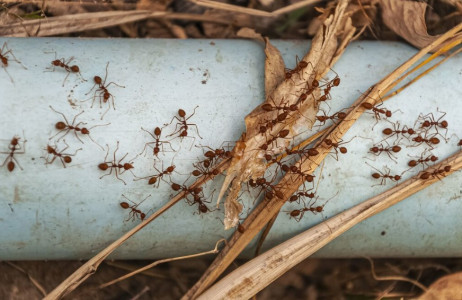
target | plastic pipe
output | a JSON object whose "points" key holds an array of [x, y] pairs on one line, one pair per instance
{"points": [[51, 212]]}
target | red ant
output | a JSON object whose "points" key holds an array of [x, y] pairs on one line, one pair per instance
{"points": [[5, 58], [384, 176], [196, 193], [430, 142], [430, 121], [377, 150], [422, 161], [396, 131], [65, 126], [297, 214], [299, 66], [324, 117], [116, 166], [337, 146], [203, 171], [213, 155], [64, 157], [270, 159], [157, 142], [268, 107], [377, 111], [160, 174], [435, 173], [202, 207], [269, 188], [65, 65], [282, 134], [103, 92], [306, 177], [332, 83], [13, 147], [305, 152], [183, 123], [134, 211]]}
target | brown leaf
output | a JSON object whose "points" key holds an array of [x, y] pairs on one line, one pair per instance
{"points": [[446, 288], [407, 19]]}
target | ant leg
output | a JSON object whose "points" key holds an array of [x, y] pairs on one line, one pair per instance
{"points": [[145, 146], [7, 73], [65, 119], [114, 84], [110, 172], [107, 153], [197, 130], [17, 162], [67, 131]]}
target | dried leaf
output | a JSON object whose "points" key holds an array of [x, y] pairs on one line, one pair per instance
{"points": [[407, 19], [446, 288]]}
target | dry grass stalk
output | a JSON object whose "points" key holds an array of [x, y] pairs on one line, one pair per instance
{"points": [[161, 261], [262, 214], [90, 21], [90, 267], [258, 273], [255, 12]]}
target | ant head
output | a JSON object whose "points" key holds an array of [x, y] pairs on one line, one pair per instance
{"points": [[262, 129], [293, 169], [433, 158], [343, 150], [75, 69], [411, 131], [374, 149], [260, 181], [426, 123], [197, 190], [319, 209], [97, 80], [60, 125], [397, 177], [302, 64], [15, 141], [103, 166], [124, 205], [67, 159], [323, 98], [170, 169], [50, 149], [56, 62], [447, 168], [85, 131], [309, 178], [303, 97], [181, 113], [315, 83], [196, 173], [10, 166], [152, 180], [388, 113], [240, 228], [157, 131], [321, 118], [176, 186], [444, 124], [285, 168], [341, 115]]}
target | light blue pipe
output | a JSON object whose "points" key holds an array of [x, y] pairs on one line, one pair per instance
{"points": [[51, 212]]}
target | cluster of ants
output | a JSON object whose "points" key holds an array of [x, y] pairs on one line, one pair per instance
{"points": [[421, 135], [425, 132], [116, 166]]}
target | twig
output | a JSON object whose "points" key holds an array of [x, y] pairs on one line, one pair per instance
{"points": [[140, 270], [400, 278], [31, 278]]}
